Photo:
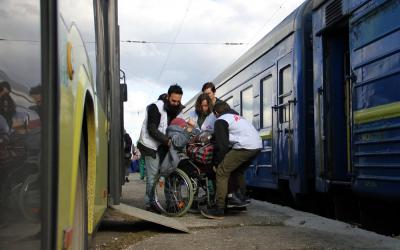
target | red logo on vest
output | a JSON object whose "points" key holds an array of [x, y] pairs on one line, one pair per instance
{"points": [[236, 117]]}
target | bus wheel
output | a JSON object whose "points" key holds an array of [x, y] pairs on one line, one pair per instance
{"points": [[80, 232]]}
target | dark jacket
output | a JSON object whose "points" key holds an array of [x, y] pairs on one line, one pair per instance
{"points": [[153, 121], [221, 139], [127, 146]]}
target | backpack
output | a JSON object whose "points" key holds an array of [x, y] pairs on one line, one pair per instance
{"points": [[200, 153]]}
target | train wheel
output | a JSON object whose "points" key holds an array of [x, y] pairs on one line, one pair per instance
{"points": [[80, 231]]}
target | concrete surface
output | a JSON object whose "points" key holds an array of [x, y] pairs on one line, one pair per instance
{"points": [[263, 226]]}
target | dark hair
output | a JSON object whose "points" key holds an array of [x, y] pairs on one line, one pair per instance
{"points": [[6, 85], [221, 107], [208, 85], [35, 90], [199, 100], [176, 89], [162, 97], [11, 108]]}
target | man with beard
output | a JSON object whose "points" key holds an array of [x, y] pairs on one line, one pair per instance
{"points": [[153, 141]]}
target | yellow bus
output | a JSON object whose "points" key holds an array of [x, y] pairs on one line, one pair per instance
{"points": [[61, 121]]}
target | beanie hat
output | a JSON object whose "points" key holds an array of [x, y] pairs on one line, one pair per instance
{"points": [[179, 122]]}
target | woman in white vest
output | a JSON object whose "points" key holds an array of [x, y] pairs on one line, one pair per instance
{"points": [[202, 109], [153, 141], [208, 124], [237, 143]]}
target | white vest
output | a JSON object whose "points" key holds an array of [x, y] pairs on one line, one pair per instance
{"points": [[145, 138], [208, 124], [242, 134]]}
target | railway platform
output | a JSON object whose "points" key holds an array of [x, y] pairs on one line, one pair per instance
{"points": [[262, 226]]}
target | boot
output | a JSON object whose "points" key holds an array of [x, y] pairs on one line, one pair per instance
{"points": [[243, 197]]}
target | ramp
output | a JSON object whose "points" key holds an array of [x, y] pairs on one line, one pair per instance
{"points": [[149, 216]]}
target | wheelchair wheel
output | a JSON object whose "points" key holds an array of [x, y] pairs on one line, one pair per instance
{"points": [[29, 199], [174, 196]]}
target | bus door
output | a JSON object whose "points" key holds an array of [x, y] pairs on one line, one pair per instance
{"points": [[284, 111]]}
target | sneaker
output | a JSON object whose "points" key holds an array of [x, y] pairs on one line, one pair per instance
{"points": [[213, 213], [243, 197], [234, 201], [126, 179]]}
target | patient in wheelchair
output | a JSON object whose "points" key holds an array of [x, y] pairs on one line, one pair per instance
{"points": [[179, 132], [192, 151]]}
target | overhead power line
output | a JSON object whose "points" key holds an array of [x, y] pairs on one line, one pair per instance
{"points": [[146, 42], [176, 36], [268, 21], [185, 43], [19, 40]]}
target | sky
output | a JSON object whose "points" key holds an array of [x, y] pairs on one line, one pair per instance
{"points": [[185, 44]]}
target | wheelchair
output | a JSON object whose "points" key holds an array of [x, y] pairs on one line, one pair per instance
{"points": [[191, 185]]}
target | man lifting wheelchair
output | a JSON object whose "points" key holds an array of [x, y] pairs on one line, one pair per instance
{"points": [[237, 143]]}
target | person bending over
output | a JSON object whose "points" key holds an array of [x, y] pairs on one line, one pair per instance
{"points": [[153, 139], [231, 130]]}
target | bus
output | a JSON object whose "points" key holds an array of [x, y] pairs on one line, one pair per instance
{"points": [[61, 121]]}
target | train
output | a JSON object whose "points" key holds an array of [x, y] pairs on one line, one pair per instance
{"points": [[322, 90]]}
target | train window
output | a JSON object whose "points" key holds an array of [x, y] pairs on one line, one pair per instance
{"points": [[247, 104], [285, 90], [267, 101], [230, 101]]}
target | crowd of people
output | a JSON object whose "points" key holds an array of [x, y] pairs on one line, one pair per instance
{"points": [[166, 131]]}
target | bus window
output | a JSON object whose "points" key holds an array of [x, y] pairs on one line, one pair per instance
{"points": [[285, 90], [78, 22], [247, 104], [230, 101], [20, 125], [267, 102]]}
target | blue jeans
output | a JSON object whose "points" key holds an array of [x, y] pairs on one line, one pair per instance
{"points": [[152, 168]]}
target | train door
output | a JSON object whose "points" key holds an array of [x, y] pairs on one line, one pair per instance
{"points": [[336, 104], [264, 172], [284, 112]]}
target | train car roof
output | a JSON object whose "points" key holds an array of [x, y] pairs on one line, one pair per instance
{"points": [[270, 40]]}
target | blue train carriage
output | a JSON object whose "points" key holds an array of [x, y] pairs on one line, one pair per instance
{"points": [[270, 85], [356, 96]]}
